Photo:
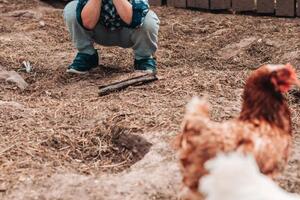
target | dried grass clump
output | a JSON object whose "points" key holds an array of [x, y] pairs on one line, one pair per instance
{"points": [[106, 146]]}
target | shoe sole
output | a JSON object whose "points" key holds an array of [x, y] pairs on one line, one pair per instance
{"points": [[74, 71], [147, 71]]}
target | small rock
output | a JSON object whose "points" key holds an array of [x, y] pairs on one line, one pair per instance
{"points": [[42, 23], [232, 50], [13, 77]]}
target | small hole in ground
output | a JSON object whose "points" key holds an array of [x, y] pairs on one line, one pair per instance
{"points": [[112, 148]]}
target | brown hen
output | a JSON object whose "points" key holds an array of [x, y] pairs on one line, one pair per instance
{"points": [[263, 128]]}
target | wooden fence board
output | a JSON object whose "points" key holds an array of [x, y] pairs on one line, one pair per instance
{"points": [[220, 4], [170, 2], [286, 8], [179, 3], [198, 4], [155, 2], [265, 6], [298, 8], [243, 5]]}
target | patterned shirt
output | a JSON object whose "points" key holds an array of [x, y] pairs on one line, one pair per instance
{"points": [[109, 17]]}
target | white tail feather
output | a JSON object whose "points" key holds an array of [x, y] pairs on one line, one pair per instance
{"points": [[197, 106], [237, 177]]}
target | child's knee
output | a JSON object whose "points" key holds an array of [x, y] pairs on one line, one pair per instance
{"points": [[151, 23]]}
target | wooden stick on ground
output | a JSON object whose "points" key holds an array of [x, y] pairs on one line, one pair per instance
{"points": [[138, 80]]}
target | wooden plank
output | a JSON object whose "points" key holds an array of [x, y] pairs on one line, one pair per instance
{"points": [[170, 2], [285, 8], [220, 4], [179, 3], [155, 2], [298, 8], [265, 6], [198, 4], [243, 5]]}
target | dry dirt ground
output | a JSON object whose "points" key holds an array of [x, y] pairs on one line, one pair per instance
{"points": [[60, 140]]}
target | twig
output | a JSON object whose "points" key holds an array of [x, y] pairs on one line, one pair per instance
{"points": [[7, 149], [113, 87]]}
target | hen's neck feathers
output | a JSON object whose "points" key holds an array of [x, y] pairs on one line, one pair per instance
{"points": [[261, 102]]}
